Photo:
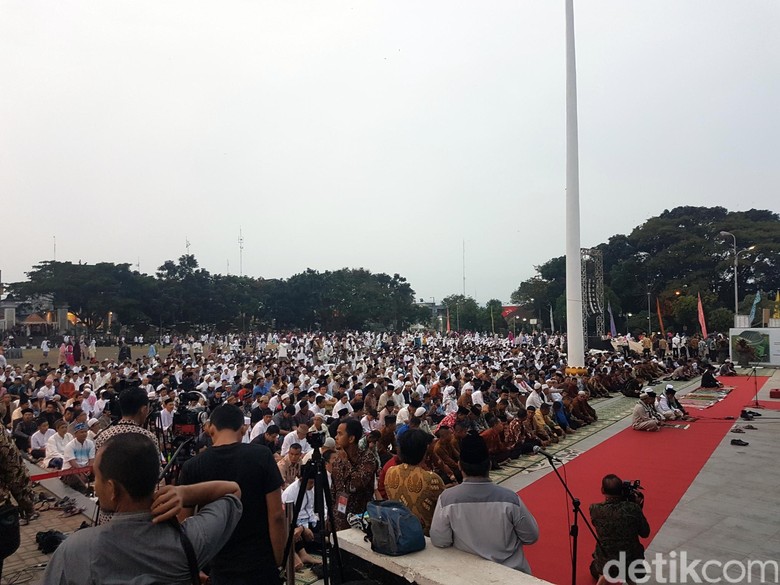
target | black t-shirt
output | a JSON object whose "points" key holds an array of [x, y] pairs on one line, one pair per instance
{"points": [[253, 467], [260, 440]]}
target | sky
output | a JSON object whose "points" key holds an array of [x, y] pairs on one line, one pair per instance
{"points": [[382, 135]]}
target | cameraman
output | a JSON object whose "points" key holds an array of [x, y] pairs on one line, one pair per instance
{"points": [[619, 523]]}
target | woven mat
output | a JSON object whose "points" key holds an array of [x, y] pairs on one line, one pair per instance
{"points": [[702, 398]]}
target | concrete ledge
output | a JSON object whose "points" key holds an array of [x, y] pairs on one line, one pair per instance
{"points": [[435, 566], [60, 490]]}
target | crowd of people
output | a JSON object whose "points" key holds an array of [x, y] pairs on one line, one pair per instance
{"points": [[392, 411]]}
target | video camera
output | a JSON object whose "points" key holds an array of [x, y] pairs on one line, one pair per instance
{"points": [[186, 422], [629, 492], [315, 439]]}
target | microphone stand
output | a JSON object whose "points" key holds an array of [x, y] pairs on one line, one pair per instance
{"points": [[574, 529]]}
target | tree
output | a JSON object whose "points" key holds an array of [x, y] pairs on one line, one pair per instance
{"points": [[681, 248]]}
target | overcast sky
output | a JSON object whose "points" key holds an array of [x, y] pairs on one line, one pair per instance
{"points": [[373, 134]]}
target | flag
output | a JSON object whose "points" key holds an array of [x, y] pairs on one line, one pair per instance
{"points": [[508, 310], [612, 328], [702, 324], [552, 321], [753, 308], [660, 319], [448, 320]]}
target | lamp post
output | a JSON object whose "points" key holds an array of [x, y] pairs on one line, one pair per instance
{"points": [[736, 263], [649, 322]]}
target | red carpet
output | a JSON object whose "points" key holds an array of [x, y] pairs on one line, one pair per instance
{"points": [[666, 462], [769, 404]]}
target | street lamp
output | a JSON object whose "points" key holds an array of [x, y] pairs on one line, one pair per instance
{"points": [[736, 261], [649, 321]]}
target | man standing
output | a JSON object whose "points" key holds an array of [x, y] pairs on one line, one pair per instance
{"points": [[619, 523], [497, 528], [255, 549]]}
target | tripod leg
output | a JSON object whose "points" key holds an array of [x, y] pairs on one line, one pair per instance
{"points": [[330, 525], [302, 483]]}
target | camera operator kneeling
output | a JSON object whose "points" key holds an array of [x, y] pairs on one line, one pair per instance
{"points": [[619, 523]]}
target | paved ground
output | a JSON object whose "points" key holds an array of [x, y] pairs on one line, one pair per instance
{"points": [[731, 511], [26, 565]]}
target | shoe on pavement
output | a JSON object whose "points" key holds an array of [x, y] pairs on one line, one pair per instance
{"points": [[751, 413], [737, 430], [739, 443], [751, 428]]}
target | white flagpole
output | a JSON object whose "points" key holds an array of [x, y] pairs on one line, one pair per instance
{"points": [[574, 331]]}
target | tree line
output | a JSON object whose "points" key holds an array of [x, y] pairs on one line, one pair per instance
{"points": [[183, 297]]}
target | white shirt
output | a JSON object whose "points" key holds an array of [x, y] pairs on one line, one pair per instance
{"points": [[166, 419], [55, 446], [341, 405], [260, 428], [534, 400], [368, 426], [306, 515], [662, 405], [38, 440], [290, 439]]}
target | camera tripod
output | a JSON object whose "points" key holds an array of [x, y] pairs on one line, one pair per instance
{"points": [[315, 470]]}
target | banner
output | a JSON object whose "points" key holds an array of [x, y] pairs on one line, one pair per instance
{"points": [[612, 328], [448, 320], [660, 319], [702, 324], [753, 308], [552, 321]]}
